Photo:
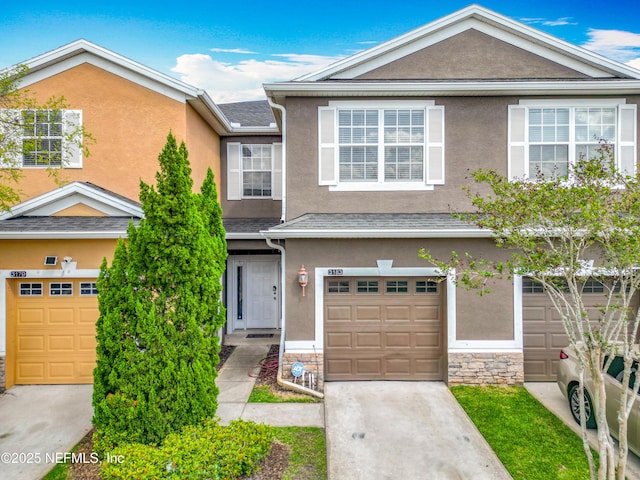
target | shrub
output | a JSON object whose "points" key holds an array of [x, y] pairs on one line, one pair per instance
{"points": [[210, 451]]}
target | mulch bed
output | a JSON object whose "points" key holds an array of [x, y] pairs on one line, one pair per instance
{"points": [[271, 468]]}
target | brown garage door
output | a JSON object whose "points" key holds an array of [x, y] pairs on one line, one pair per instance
{"points": [[383, 329], [52, 331], [544, 334]]}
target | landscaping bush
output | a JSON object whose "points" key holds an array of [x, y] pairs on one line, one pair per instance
{"points": [[210, 451]]}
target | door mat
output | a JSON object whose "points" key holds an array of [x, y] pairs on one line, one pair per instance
{"points": [[259, 335]]}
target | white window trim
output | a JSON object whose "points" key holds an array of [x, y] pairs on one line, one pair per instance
{"points": [[380, 184], [243, 171], [235, 171], [571, 103], [72, 154]]}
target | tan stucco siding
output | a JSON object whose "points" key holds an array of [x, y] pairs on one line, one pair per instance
{"points": [[129, 122], [489, 317], [29, 254], [249, 207], [471, 55], [203, 144]]}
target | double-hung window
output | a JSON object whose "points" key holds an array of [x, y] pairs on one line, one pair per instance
{"points": [[548, 136], [384, 145], [254, 171], [42, 138]]}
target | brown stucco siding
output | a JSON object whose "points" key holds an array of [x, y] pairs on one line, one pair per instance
{"points": [[251, 207], [471, 55], [475, 135], [489, 317]]}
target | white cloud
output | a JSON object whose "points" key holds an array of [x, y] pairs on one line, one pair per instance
{"points": [[549, 23], [233, 50], [615, 44], [228, 82]]}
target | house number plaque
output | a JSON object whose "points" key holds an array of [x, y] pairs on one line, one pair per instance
{"points": [[335, 271], [18, 274]]}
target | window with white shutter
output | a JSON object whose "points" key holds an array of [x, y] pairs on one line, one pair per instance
{"points": [[254, 171], [383, 145], [546, 137], [41, 138]]}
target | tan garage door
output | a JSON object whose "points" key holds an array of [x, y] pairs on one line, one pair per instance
{"points": [[52, 331], [544, 334], [383, 329]]}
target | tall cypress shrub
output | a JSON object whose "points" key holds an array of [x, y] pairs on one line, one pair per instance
{"points": [[160, 312]]}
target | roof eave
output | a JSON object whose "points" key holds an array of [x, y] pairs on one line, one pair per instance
{"points": [[363, 233], [281, 90]]}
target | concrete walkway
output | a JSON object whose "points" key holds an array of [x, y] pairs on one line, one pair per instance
{"points": [[235, 386], [403, 430]]}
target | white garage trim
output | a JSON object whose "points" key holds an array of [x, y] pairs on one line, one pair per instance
{"points": [[507, 346], [68, 272]]}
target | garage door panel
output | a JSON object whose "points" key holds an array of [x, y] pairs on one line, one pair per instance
{"points": [[55, 336], [368, 339], [398, 313], [61, 316], [544, 334], [31, 343], [535, 340], [428, 340], [338, 313], [427, 314], [339, 340], [394, 335], [367, 313], [398, 339], [87, 343], [61, 344], [30, 316], [88, 316]]}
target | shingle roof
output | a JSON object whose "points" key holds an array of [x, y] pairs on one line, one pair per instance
{"points": [[110, 227], [375, 225], [249, 114]]}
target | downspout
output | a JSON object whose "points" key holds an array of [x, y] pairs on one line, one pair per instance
{"points": [[281, 381], [283, 215]]}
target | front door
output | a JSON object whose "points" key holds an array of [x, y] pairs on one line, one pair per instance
{"points": [[262, 294], [253, 297]]}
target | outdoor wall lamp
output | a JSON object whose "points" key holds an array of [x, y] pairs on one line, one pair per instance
{"points": [[303, 278]]}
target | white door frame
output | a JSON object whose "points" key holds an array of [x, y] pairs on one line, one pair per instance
{"points": [[233, 262]]}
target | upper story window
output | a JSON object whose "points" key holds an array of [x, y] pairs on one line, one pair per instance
{"points": [[42, 138], [254, 171], [547, 136], [382, 145]]}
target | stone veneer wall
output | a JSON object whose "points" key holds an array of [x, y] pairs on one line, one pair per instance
{"points": [[312, 362], [3, 376], [495, 368]]}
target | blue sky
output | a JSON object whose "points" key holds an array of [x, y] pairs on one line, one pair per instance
{"points": [[231, 48]]}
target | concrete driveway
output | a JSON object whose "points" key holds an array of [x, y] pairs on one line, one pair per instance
{"points": [[407, 430], [38, 425]]}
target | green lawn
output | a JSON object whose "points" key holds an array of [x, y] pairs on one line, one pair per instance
{"points": [[265, 394], [531, 442]]}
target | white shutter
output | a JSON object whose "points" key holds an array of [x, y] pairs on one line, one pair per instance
{"points": [[327, 161], [517, 145], [234, 171], [72, 138], [10, 138], [627, 141], [276, 175], [435, 146]]}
